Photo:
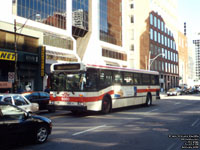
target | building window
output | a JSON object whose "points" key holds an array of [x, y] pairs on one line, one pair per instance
{"points": [[159, 50], [162, 26], [151, 19], [132, 47], [159, 65], [156, 50], [169, 55], [155, 36], [166, 54], [159, 24], [131, 6], [52, 13], [151, 34], [162, 38], [163, 66], [114, 55], [151, 48], [156, 65], [111, 21], [158, 37], [165, 41], [168, 42], [169, 66], [132, 19], [163, 52], [155, 21]]}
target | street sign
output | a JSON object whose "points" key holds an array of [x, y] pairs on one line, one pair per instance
{"points": [[11, 76]]}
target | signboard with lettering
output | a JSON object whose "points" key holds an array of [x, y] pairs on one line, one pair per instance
{"points": [[7, 56], [42, 61], [11, 76], [5, 85]]}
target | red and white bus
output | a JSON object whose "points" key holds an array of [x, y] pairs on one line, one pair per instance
{"points": [[78, 87]]}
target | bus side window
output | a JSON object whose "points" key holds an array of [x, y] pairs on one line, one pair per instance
{"points": [[146, 79], [128, 79], [117, 77], [105, 78], [153, 79], [137, 78]]}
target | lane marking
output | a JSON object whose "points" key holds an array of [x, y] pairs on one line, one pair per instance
{"points": [[177, 103], [92, 129], [195, 122], [171, 146], [152, 110]]}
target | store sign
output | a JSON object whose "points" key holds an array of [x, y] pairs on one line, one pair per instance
{"points": [[5, 85], [31, 58], [42, 61], [7, 56]]}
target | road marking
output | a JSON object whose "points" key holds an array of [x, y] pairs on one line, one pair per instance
{"points": [[92, 129], [171, 146], [194, 123], [177, 103], [153, 110]]}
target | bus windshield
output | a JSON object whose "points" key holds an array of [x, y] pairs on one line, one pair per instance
{"points": [[73, 81]]}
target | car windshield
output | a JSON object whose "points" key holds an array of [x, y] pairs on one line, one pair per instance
{"points": [[80, 81], [1, 97], [171, 90], [68, 82]]}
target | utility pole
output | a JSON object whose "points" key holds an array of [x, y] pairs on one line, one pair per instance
{"points": [[15, 42]]}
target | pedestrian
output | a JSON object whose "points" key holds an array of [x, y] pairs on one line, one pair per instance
{"points": [[47, 89]]}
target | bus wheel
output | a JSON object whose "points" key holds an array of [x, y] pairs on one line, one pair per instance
{"points": [[148, 100], [106, 105]]}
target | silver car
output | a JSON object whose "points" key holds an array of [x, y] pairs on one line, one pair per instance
{"points": [[20, 101], [174, 91]]}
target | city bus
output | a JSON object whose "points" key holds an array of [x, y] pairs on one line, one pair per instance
{"points": [[79, 87]]}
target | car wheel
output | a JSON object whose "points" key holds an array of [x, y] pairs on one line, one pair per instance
{"points": [[41, 134], [148, 100], [106, 105]]}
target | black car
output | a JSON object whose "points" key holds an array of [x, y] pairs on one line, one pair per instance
{"points": [[19, 127], [42, 98]]}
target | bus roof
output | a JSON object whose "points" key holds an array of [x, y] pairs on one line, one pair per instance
{"points": [[79, 66], [122, 69]]}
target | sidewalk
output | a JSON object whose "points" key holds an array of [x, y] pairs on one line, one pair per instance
{"points": [[162, 95]]}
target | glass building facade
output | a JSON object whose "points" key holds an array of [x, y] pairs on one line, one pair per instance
{"points": [[54, 13], [79, 17], [111, 21], [51, 12]]}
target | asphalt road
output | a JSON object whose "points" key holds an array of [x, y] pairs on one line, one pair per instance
{"points": [[172, 123]]}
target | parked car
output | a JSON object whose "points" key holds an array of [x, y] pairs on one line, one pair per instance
{"points": [[21, 101], [42, 98], [20, 127], [174, 91]]}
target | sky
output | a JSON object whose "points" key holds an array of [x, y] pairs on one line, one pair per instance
{"points": [[189, 12]]}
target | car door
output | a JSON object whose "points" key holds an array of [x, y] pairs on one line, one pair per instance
{"points": [[44, 99], [15, 126], [2, 128], [22, 103]]}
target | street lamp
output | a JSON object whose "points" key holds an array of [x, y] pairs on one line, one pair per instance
{"points": [[152, 60]]}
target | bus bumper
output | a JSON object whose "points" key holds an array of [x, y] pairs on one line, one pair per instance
{"points": [[66, 107]]}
